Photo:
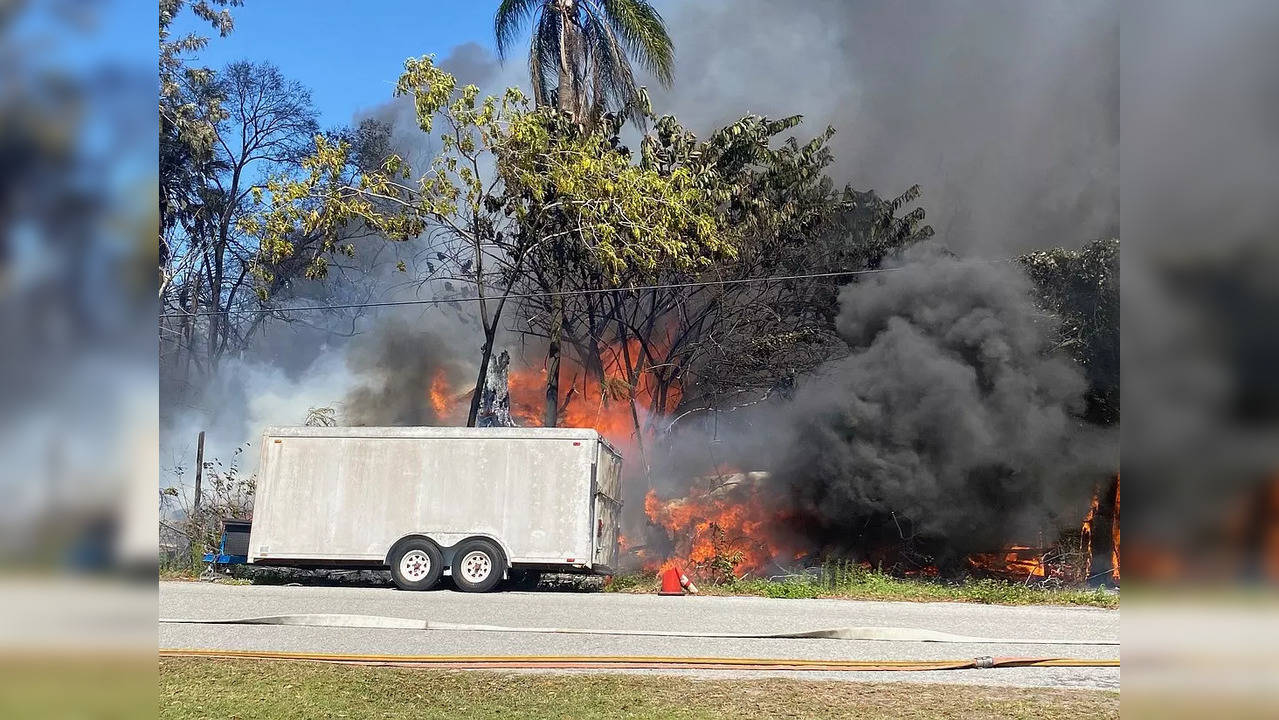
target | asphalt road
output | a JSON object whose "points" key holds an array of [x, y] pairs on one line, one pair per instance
{"points": [[623, 611]]}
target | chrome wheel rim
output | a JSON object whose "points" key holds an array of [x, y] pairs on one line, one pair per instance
{"points": [[476, 566], [415, 565]]}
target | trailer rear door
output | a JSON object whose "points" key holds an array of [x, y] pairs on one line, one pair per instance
{"points": [[607, 508], [607, 517]]}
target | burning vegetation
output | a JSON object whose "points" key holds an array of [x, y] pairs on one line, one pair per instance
{"points": [[858, 493], [722, 529], [586, 400]]}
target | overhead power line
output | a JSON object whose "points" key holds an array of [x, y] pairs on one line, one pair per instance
{"points": [[523, 296]]}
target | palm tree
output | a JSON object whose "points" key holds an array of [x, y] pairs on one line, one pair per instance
{"points": [[584, 45]]}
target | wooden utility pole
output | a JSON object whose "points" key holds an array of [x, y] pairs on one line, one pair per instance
{"points": [[199, 472]]}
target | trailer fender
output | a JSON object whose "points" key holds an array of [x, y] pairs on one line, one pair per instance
{"points": [[414, 536]]}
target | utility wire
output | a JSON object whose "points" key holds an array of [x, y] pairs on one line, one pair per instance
{"points": [[523, 296]]}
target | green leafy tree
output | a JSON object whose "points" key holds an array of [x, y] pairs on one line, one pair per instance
{"points": [[187, 118], [1081, 288], [514, 192], [707, 339], [264, 126], [587, 47]]}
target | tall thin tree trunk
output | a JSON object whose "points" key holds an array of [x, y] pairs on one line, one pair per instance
{"points": [[1103, 544], [192, 318], [486, 355], [551, 416], [215, 296], [632, 377], [486, 352], [594, 360], [567, 89], [567, 103]]}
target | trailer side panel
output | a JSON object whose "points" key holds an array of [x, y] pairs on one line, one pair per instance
{"points": [[352, 494]]}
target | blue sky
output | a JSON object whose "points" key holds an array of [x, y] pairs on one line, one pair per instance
{"points": [[348, 53]]}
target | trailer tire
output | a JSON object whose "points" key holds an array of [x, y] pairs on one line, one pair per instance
{"points": [[478, 565], [416, 564]]}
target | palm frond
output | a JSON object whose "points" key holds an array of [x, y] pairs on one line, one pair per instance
{"points": [[537, 75], [544, 56], [601, 40], [510, 17], [643, 31], [614, 79]]}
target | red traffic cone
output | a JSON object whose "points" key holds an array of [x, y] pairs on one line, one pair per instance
{"points": [[670, 582], [675, 582]]}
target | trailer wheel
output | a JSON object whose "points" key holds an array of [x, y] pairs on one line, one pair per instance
{"points": [[416, 565], [478, 566]]}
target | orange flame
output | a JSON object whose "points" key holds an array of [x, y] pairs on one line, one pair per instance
{"points": [[438, 394], [1025, 562], [1016, 562], [1088, 530], [585, 401], [1114, 536], [722, 527]]}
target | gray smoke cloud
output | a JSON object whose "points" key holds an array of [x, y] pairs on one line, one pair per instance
{"points": [[1005, 112], [395, 366], [950, 415], [1199, 297]]}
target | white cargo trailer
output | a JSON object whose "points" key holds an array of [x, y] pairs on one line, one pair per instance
{"points": [[481, 503]]}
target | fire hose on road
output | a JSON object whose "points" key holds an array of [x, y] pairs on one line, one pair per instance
{"points": [[639, 662], [890, 634]]}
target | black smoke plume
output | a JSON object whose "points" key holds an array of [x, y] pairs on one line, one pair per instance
{"points": [[396, 365], [952, 424]]}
